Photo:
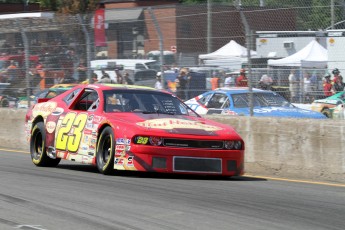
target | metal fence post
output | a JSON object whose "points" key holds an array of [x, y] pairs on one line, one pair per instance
{"points": [[249, 61], [161, 47], [88, 46], [26, 60], [209, 26]]}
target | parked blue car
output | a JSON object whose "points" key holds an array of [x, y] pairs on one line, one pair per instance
{"points": [[235, 101]]}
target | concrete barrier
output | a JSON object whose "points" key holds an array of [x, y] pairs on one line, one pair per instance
{"points": [[292, 148], [295, 148]]}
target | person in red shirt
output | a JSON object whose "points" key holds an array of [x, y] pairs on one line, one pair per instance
{"points": [[336, 74], [327, 86], [242, 80]]}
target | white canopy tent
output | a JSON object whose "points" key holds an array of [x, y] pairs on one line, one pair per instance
{"points": [[313, 55], [230, 50]]}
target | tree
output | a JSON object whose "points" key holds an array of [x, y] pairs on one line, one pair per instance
{"points": [[69, 6]]}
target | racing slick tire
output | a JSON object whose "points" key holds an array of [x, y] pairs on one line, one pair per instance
{"points": [[106, 151], [4, 102], [327, 113], [38, 150]]}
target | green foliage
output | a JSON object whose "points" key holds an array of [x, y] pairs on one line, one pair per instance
{"points": [[19, 1], [310, 14], [69, 6]]}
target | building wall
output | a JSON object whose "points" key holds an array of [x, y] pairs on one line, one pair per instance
{"points": [[273, 42], [336, 50], [131, 4], [166, 17], [18, 8]]}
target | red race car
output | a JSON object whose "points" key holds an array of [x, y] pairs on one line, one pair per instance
{"points": [[125, 127]]}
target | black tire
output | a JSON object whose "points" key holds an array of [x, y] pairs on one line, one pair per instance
{"points": [[4, 102], [327, 112], [105, 151], [38, 150]]}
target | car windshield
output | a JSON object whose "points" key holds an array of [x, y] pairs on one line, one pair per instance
{"points": [[260, 99], [144, 102]]}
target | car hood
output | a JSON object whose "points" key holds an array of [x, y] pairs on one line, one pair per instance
{"points": [[172, 124], [287, 112], [332, 101]]}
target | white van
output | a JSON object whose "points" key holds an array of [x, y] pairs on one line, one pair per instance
{"points": [[141, 71]]}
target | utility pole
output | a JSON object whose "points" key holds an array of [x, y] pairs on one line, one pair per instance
{"points": [[26, 4], [332, 14], [209, 26]]}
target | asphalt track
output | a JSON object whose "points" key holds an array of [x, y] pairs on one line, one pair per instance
{"points": [[74, 196]]}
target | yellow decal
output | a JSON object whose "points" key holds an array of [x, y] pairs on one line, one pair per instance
{"points": [[166, 123], [142, 140], [44, 109], [70, 132]]}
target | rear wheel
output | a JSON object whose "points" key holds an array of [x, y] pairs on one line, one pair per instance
{"points": [[37, 148], [327, 112], [105, 151]]}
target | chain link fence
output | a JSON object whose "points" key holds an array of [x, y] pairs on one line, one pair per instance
{"points": [[208, 41]]}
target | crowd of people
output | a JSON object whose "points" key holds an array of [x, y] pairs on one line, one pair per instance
{"points": [[307, 90], [303, 87]]}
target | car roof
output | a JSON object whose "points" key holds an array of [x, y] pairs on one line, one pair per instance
{"points": [[106, 86], [59, 89], [232, 90]]}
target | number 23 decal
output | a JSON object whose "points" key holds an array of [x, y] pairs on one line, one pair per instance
{"points": [[70, 132]]}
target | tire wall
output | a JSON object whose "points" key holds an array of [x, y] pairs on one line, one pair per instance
{"points": [[298, 148]]}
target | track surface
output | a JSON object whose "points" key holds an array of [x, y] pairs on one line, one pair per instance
{"points": [[74, 196]]}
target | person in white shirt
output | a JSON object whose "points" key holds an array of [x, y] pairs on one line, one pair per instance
{"points": [[229, 81], [158, 84]]}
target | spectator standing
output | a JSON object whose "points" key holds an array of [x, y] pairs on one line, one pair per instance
{"points": [[339, 85], [104, 74], [293, 86], [229, 81], [82, 70], [127, 80], [105, 78], [327, 86], [94, 79], [214, 82], [181, 84], [158, 84], [307, 87], [265, 82], [335, 73], [12, 72], [119, 77], [242, 80]]}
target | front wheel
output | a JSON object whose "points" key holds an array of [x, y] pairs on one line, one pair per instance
{"points": [[327, 113], [37, 148], [105, 151]]}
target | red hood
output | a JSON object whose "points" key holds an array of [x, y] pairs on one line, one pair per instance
{"points": [[179, 125]]}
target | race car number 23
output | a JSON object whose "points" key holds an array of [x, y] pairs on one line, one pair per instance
{"points": [[70, 132]]}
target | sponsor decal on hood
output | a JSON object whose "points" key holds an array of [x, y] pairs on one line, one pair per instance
{"points": [[44, 109], [169, 123]]}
